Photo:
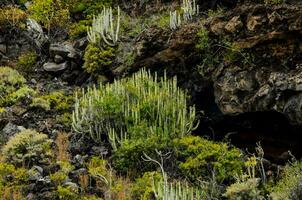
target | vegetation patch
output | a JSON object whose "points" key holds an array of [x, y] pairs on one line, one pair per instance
{"points": [[12, 87]]}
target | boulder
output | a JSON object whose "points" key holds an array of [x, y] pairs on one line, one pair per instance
{"points": [[9, 130], [35, 33], [66, 50], [234, 24], [54, 67]]}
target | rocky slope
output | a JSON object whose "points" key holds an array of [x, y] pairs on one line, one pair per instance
{"points": [[241, 66], [267, 79]]}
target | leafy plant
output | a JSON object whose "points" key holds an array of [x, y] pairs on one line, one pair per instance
{"points": [[142, 188], [245, 190], [273, 2], [164, 190], [27, 147], [12, 87], [58, 177], [51, 13], [12, 17], [98, 59], [113, 186], [53, 101], [67, 193], [290, 179], [12, 181], [128, 158], [27, 61], [201, 159], [177, 190]]}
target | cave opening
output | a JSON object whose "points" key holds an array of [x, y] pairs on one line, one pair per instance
{"points": [[271, 129]]}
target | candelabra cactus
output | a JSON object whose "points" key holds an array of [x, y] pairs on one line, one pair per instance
{"points": [[103, 27], [175, 20], [190, 9], [136, 107]]}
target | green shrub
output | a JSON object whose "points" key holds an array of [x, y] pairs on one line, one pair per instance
{"points": [[134, 108], [245, 190], [86, 7], [27, 61], [143, 186], [51, 13], [296, 191], [273, 2], [2, 110], [290, 179], [12, 87], [205, 47], [12, 17], [78, 29], [22, 93], [12, 181], [107, 181], [98, 59], [54, 101], [201, 158], [27, 147], [58, 177], [67, 193], [19, 175], [128, 157], [98, 167]]}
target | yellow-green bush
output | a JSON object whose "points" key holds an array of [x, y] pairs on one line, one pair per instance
{"points": [[107, 181], [53, 101], [201, 158], [51, 13], [12, 87], [12, 17], [67, 193], [98, 59], [142, 188], [10, 188], [98, 167], [27, 61], [27, 148], [87, 7], [273, 2], [58, 177], [290, 183], [78, 29], [20, 175], [244, 190], [128, 157]]}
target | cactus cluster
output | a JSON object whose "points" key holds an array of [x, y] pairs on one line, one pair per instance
{"points": [[104, 27], [189, 9], [136, 107], [175, 20], [176, 191]]}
